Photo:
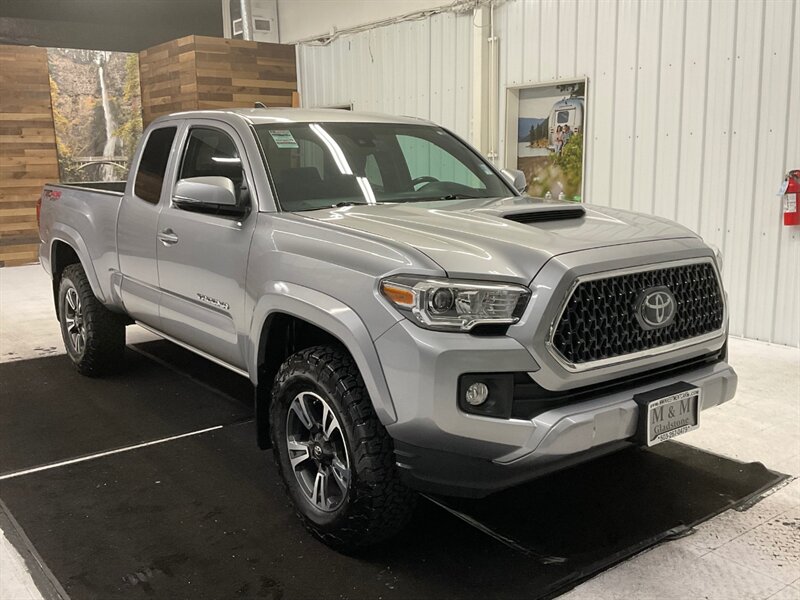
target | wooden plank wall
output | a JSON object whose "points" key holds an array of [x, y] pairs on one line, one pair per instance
{"points": [[28, 156], [238, 73], [199, 72], [168, 79], [184, 74]]}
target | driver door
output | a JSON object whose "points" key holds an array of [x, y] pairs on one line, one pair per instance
{"points": [[202, 256]]}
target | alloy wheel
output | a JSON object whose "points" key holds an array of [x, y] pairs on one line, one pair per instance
{"points": [[74, 322], [317, 451]]}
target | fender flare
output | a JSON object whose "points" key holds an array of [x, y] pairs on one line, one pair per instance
{"points": [[336, 318], [71, 237]]}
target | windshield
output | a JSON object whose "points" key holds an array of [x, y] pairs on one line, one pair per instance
{"points": [[319, 165]]}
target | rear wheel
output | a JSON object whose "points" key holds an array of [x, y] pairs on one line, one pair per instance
{"points": [[94, 337], [333, 454]]}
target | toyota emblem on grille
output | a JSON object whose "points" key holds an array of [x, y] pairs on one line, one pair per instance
{"points": [[655, 308]]}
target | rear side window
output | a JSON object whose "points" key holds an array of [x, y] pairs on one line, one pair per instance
{"points": [[153, 165]]}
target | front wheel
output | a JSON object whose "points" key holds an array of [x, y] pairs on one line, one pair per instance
{"points": [[333, 454], [94, 337]]}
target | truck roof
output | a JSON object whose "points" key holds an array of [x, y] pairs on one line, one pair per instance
{"points": [[258, 116]]}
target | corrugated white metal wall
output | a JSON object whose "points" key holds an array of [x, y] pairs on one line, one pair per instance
{"points": [[693, 114], [416, 68]]}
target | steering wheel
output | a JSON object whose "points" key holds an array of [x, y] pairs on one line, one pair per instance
{"points": [[424, 179]]}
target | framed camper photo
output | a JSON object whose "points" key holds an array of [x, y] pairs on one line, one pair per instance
{"points": [[544, 137]]}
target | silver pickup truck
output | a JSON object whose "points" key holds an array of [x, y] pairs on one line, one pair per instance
{"points": [[410, 321]]}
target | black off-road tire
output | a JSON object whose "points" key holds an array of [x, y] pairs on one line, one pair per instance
{"points": [[378, 505], [103, 350]]}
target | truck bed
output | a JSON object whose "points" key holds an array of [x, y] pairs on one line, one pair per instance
{"points": [[115, 187], [83, 216]]}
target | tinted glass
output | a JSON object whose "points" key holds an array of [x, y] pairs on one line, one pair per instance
{"points": [[318, 165], [372, 171], [563, 116], [152, 166], [212, 153], [426, 159]]}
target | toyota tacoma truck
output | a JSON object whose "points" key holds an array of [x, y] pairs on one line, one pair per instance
{"points": [[409, 319]]}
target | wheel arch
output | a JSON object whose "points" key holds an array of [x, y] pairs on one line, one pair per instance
{"points": [[295, 318], [68, 248]]}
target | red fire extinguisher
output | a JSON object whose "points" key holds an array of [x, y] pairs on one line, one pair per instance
{"points": [[790, 190]]}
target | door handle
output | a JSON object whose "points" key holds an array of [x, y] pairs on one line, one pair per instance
{"points": [[167, 237]]}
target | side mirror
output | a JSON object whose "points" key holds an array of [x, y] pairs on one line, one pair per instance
{"points": [[516, 178], [205, 193]]}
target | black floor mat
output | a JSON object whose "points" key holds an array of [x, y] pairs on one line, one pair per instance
{"points": [[592, 514], [48, 412], [204, 517]]}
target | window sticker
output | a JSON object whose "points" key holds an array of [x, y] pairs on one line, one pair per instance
{"points": [[283, 139], [485, 168]]}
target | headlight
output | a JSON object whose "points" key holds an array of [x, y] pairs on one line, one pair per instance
{"points": [[455, 305]]}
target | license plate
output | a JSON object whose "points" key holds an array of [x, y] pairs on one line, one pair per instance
{"points": [[667, 412]]}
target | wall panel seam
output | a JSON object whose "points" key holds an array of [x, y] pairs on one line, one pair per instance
{"points": [[610, 197], [680, 116], [792, 75], [657, 115], [701, 180], [635, 104], [730, 127], [588, 185], [748, 271]]}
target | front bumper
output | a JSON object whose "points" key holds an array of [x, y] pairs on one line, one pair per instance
{"points": [[441, 449]]}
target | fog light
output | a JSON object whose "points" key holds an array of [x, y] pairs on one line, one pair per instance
{"points": [[477, 393]]}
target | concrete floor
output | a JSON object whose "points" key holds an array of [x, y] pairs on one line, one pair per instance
{"points": [[739, 554]]}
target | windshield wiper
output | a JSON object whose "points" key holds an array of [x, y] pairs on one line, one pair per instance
{"points": [[337, 205], [430, 199], [347, 203], [457, 197]]}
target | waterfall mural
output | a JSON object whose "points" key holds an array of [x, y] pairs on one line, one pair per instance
{"points": [[97, 111]]}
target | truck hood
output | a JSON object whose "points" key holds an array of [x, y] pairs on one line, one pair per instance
{"points": [[478, 236]]}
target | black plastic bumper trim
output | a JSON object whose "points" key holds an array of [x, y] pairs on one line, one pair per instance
{"points": [[451, 474], [531, 399]]}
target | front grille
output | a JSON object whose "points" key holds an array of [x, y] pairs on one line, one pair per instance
{"points": [[599, 320]]}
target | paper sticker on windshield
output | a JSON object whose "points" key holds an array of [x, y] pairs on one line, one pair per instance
{"points": [[283, 138], [485, 168]]}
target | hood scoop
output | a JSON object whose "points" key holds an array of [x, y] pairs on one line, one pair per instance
{"points": [[548, 214]]}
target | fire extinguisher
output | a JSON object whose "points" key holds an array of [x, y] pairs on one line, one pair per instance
{"points": [[790, 190]]}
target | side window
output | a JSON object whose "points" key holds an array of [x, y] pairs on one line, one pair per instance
{"points": [[426, 159], [212, 153], [153, 164]]}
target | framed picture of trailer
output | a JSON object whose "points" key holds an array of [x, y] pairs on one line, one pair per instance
{"points": [[545, 126]]}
